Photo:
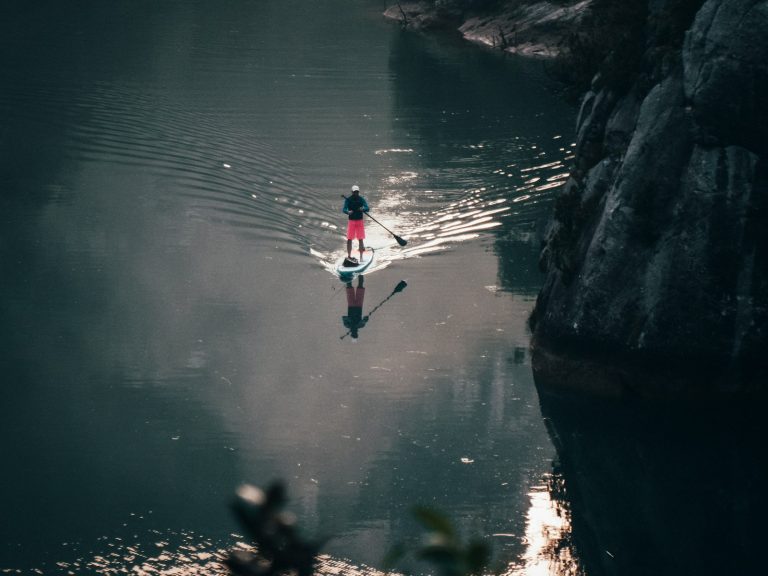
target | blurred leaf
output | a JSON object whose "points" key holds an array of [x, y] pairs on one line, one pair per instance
{"points": [[279, 549], [396, 554], [477, 556], [277, 495], [439, 555], [434, 520]]}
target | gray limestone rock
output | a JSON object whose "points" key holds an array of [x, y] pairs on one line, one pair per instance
{"points": [[657, 260]]}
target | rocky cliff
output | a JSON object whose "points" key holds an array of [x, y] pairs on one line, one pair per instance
{"points": [[656, 265]]}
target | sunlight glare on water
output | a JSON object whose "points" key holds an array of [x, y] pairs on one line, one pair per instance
{"points": [[461, 220]]}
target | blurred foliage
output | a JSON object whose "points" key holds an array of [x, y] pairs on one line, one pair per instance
{"points": [[279, 549], [443, 548]]}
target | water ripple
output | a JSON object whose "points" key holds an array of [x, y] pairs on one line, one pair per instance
{"points": [[432, 220], [225, 173]]}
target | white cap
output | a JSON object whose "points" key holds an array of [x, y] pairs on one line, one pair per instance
{"points": [[355, 188]]}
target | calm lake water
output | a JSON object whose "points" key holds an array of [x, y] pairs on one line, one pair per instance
{"points": [[171, 176]]}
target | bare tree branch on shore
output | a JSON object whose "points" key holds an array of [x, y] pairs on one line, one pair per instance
{"points": [[405, 17]]}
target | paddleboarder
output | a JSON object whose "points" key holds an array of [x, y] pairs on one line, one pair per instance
{"points": [[355, 206]]}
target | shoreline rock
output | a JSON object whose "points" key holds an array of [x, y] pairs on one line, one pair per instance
{"points": [[536, 29]]}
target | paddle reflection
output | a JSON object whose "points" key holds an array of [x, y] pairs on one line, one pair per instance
{"points": [[354, 320]]}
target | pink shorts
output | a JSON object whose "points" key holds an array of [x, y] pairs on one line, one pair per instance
{"points": [[355, 297], [355, 229]]}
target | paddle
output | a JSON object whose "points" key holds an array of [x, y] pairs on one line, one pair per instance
{"points": [[399, 288], [400, 240]]}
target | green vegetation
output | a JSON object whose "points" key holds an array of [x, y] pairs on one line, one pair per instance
{"points": [[443, 548], [279, 548]]}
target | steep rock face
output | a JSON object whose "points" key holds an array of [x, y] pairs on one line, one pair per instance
{"points": [[656, 263]]}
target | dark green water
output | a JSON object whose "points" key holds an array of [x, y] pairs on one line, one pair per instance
{"points": [[171, 176]]}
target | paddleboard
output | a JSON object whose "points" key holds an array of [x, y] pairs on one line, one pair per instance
{"points": [[365, 260]]}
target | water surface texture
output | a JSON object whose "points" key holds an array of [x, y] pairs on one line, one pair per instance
{"points": [[171, 180]]}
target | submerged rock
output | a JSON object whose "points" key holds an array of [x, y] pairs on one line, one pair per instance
{"points": [[657, 260]]}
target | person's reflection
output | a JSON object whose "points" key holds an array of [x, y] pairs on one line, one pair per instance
{"points": [[354, 320]]}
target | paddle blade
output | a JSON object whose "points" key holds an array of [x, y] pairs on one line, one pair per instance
{"points": [[400, 286], [401, 241]]}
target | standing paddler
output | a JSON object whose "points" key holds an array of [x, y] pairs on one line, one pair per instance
{"points": [[355, 206]]}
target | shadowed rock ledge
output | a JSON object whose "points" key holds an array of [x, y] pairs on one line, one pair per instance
{"points": [[529, 27], [656, 264]]}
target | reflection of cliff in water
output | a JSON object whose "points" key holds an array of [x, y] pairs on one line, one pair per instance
{"points": [[662, 490]]}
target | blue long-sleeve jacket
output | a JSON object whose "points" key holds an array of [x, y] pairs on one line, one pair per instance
{"points": [[352, 205]]}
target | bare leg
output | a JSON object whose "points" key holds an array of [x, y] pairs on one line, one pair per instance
{"points": [[362, 248], [349, 248]]}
